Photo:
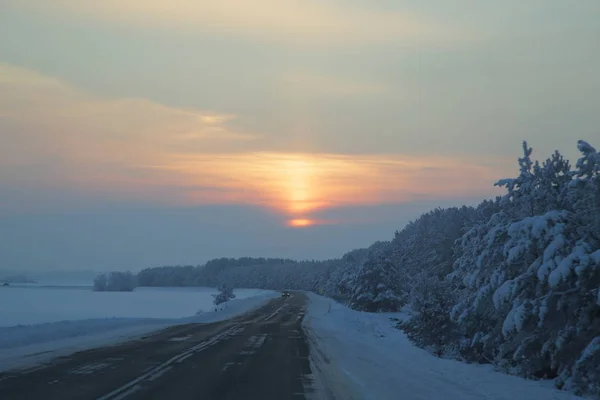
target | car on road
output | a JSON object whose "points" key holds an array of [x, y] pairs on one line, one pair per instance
{"points": [[285, 294]]}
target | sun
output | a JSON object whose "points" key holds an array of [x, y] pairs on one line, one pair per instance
{"points": [[300, 222]]}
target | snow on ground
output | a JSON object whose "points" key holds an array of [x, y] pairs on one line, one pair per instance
{"points": [[362, 356], [74, 319], [31, 304]]}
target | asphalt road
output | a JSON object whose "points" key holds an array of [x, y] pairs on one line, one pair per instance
{"points": [[260, 355]]}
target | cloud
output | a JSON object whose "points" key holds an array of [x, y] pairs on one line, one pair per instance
{"points": [[57, 138], [300, 185], [48, 123], [273, 20]]}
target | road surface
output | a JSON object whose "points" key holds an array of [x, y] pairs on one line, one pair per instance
{"points": [[260, 355]]}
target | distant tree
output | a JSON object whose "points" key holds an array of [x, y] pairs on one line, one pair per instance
{"points": [[121, 281], [225, 294], [17, 279], [100, 283], [115, 282]]}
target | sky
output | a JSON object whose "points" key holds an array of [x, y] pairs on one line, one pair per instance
{"points": [[138, 133]]}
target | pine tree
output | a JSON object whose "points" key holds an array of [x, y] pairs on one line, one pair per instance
{"points": [[520, 201], [373, 289], [586, 188]]}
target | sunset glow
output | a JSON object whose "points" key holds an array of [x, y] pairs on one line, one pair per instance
{"points": [[300, 222], [175, 156], [299, 185]]}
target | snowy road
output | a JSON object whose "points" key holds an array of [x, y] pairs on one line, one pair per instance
{"points": [[260, 355]]}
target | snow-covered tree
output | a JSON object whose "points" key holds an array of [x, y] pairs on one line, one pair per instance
{"points": [[586, 189], [555, 178], [431, 326], [225, 294], [531, 282], [374, 285], [524, 288], [520, 189], [586, 370]]}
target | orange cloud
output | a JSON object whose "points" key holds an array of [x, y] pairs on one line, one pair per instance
{"points": [[298, 185], [48, 116]]}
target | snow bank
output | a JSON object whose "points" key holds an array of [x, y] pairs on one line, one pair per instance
{"points": [[362, 356], [25, 346]]}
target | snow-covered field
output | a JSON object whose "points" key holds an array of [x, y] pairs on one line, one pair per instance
{"points": [[24, 305], [362, 356], [39, 323]]}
